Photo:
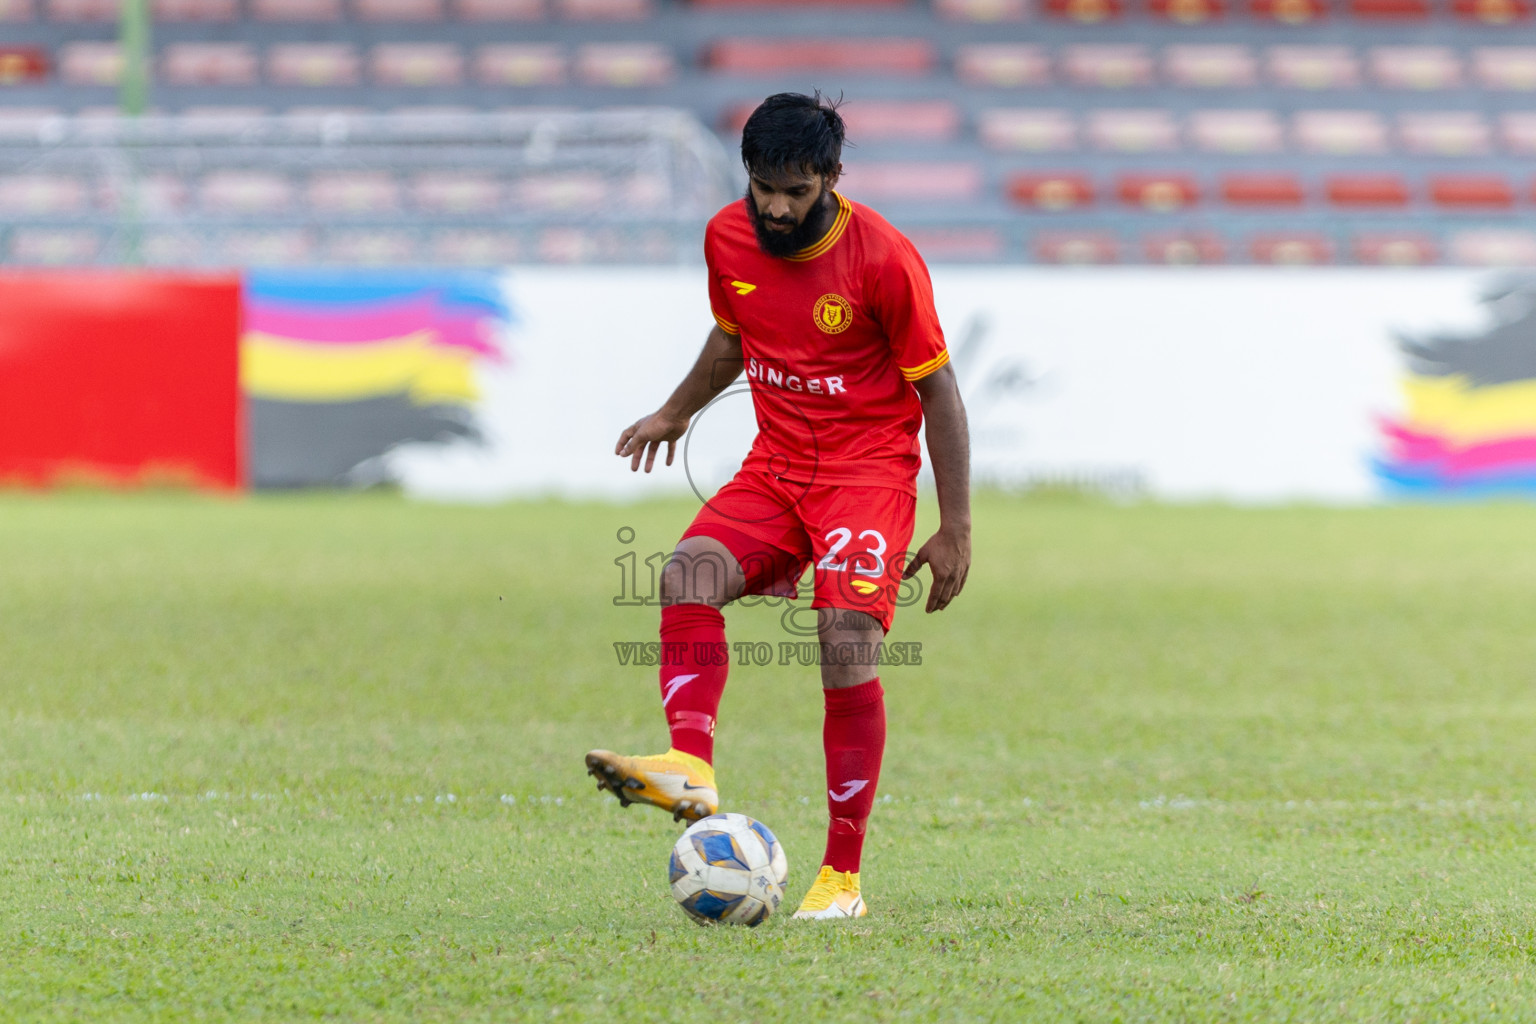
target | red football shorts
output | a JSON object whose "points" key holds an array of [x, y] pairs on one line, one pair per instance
{"points": [[855, 537]]}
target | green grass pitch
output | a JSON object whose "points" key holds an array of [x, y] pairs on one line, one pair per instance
{"points": [[320, 757]]}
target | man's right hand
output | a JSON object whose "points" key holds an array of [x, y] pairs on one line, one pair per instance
{"points": [[646, 435]]}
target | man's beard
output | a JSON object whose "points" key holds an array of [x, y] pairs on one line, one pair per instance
{"points": [[787, 243]]}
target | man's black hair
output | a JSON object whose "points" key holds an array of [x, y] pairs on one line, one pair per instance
{"points": [[792, 132]]}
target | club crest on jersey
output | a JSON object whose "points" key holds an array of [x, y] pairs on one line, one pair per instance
{"points": [[833, 313]]}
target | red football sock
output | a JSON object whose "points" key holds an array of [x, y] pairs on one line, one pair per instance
{"points": [[854, 737], [694, 662]]}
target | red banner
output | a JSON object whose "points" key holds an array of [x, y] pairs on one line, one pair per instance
{"points": [[120, 378]]}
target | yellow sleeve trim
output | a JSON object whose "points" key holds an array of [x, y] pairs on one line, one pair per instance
{"points": [[922, 370], [726, 325]]}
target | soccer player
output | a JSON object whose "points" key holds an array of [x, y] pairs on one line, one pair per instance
{"points": [[829, 310]]}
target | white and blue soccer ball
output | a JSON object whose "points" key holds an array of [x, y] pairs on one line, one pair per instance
{"points": [[728, 869]]}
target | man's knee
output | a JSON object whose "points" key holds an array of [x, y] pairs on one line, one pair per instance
{"points": [[700, 571]]}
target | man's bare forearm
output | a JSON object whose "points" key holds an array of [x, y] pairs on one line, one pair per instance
{"points": [[949, 447], [718, 365]]}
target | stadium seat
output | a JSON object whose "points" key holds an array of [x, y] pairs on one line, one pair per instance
{"points": [[1187, 12], [1395, 249], [1294, 249], [498, 10], [1505, 67], [343, 192], [982, 10], [604, 10], [84, 10], [626, 65], [1517, 133], [1369, 191], [1289, 12], [172, 248], [960, 243], [279, 248], [547, 193], [26, 122], [153, 193], [1006, 65], [370, 248], [520, 64], [936, 182], [914, 120], [1160, 193], [295, 10], [16, 10], [458, 192], [825, 56], [1390, 10], [1210, 67], [398, 10], [1444, 133], [1051, 192], [212, 118], [91, 63], [1133, 131], [1415, 67], [196, 10], [208, 64], [416, 64], [1076, 247], [1493, 247], [1086, 11], [1034, 131], [53, 246], [245, 191], [1492, 12], [1184, 248], [1262, 190], [1313, 67], [1339, 132], [22, 64], [1471, 192], [34, 194], [476, 248], [1112, 66], [1235, 131], [316, 64]]}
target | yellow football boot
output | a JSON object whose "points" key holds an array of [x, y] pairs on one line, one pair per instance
{"points": [[674, 781], [834, 894]]}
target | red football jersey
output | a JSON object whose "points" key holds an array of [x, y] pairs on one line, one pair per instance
{"points": [[832, 337]]}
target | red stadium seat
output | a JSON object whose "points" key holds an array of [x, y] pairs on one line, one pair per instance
{"points": [[1517, 133], [1494, 247], [1088, 11], [848, 55], [1236, 131], [1291, 249], [456, 192], [1052, 192], [1390, 10], [547, 193], [939, 182], [37, 193], [982, 10], [1184, 248], [295, 10], [208, 64], [53, 246], [1471, 192], [1112, 66], [84, 10], [416, 64], [520, 64], [1505, 67], [91, 63], [1340, 132], [1187, 12], [316, 64], [1076, 247], [398, 10], [1262, 190], [1004, 65], [1444, 133], [1313, 67], [498, 10], [799, 3], [1210, 67], [1133, 131], [1034, 131], [1289, 12], [355, 192], [1160, 193], [952, 244], [245, 191], [604, 10], [1415, 67], [16, 10], [1395, 249], [626, 65], [1493, 12], [476, 248], [22, 64], [879, 120], [196, 10], [1373, 191]]}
